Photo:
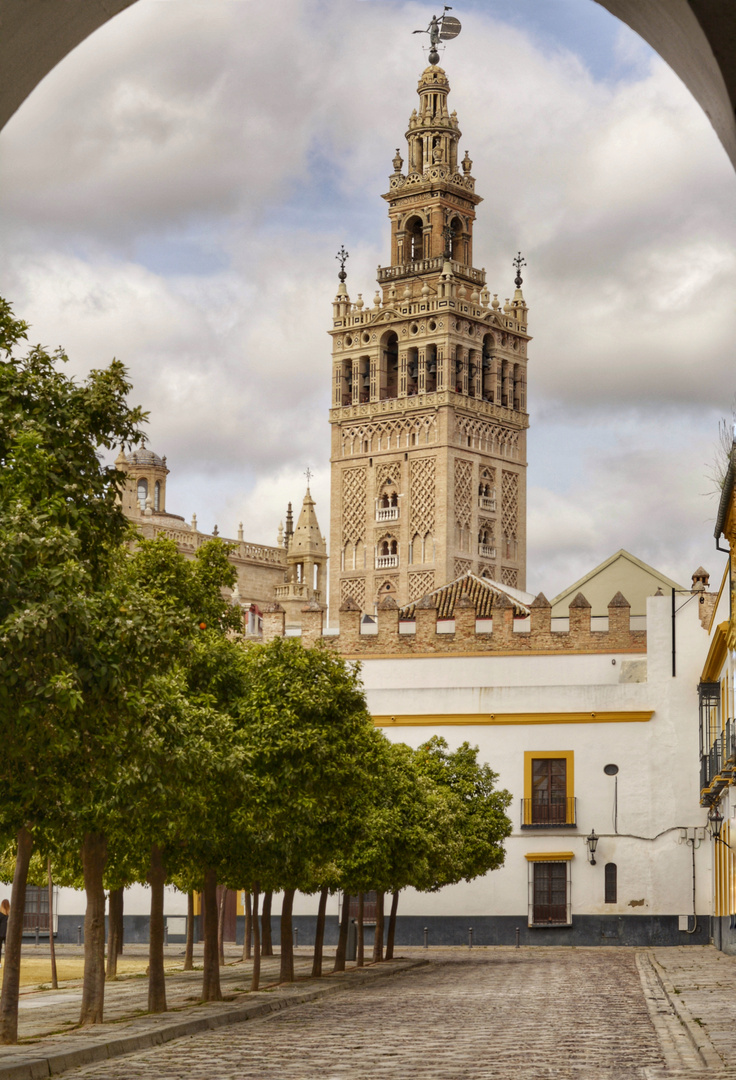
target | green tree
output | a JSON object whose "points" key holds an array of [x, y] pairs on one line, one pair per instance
{"points": [[60, 523]]}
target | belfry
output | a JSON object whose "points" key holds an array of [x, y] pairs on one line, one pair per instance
{"points": [[428, 409]]}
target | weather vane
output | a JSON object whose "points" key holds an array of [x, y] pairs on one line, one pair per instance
{"points": [[518, 262], [442, 28], [341, 256], [309, 474]]}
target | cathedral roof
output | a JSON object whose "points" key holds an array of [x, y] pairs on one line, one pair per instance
{"points": [[483, 593]]}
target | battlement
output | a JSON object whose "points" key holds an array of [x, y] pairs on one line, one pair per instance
{"points": [[425, 634]]}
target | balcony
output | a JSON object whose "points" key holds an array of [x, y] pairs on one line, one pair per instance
{"points": [[486, 551], [549, 813], [387, 513], [718, 764], [486, 503], [385, 562]]}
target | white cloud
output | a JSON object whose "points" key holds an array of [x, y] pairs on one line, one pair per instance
{"points": [[175, 191]]}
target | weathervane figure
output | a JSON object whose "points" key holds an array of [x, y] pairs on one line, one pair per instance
{"points": [[309, 474], [442, 28], [341, 256], [518, 262]]}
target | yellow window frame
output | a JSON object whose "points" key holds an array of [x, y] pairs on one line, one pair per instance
{"points": [[569, 756]]}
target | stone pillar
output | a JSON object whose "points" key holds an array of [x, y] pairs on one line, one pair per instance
{"points": [[313, 615], [541, 615], [579, 611], [349, 624], [425, 614], [619, 619], [464, 619], [503, 620], [274, 618], [388, 622]]}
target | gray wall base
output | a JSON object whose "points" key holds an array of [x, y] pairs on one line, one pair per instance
{"points": [[487, 930]]}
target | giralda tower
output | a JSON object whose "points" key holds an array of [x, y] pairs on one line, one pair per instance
{"points": [[428, 392]]}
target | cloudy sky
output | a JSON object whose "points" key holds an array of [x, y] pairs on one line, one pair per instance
{"points": [[174, 193]]}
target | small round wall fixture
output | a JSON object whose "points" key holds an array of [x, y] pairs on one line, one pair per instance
{"points": [[610, 770]]}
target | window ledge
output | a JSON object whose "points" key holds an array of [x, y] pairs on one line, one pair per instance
{"points": [[551, 825]]}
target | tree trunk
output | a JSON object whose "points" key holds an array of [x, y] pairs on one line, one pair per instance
{"points": [[361, 944], [211, 975], [256, 941], [52, 946], [287, 938], [342, 941], [221, 928], [94, 856], [266, 939], [189, 948], [378, 939], [392, 926], [114, 932], [248, 926], [156, 981], [319, 933], [14, 940]]}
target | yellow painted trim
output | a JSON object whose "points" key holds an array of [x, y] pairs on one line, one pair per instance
{"points": [[197, 904], [549, 856], [724, 579], [620, 716], [716, 654], [568, 755]]}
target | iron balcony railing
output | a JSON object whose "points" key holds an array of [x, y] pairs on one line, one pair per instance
{"points": [[718, 764], [554, 813]]}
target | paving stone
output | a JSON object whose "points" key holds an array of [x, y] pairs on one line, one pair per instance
{"points": [[531, 1014]]}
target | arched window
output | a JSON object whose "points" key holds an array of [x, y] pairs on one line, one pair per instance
{"points": [[611, 885], [390, 373], [457, 232], [157, 496], [414, 243], [142, 492]]}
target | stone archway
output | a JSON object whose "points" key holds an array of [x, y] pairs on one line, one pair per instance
{"points": [[697, 38]]}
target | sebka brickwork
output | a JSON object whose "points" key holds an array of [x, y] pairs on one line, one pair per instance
{"points": [[429, 391]]}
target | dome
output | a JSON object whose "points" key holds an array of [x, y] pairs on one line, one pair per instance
{"points": [[145, 457]]}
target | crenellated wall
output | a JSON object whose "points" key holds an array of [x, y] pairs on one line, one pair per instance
{"points": [[461, 634]]}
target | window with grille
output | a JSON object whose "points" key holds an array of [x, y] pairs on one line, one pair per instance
{"points": [[36, 911], [611, 883], [550, 894]]}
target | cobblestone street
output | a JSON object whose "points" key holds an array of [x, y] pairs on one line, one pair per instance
{"points": [[498, 1013]]}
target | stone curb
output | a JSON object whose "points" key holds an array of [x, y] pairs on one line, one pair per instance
{"points": [[217, 1016], [697, 1034]]}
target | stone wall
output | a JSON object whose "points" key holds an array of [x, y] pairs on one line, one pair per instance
{"points": [[427, 635]]}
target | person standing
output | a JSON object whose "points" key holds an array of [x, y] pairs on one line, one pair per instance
{"points": [[4, 912]]}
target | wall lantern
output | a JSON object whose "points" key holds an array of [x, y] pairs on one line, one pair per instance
{"points": [[715, 821], [592, 842]]}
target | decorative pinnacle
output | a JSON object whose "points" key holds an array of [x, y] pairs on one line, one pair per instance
{"points": [[518, 262], [341, 256]]}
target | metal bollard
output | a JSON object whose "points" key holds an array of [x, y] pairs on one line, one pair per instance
{"points": [[296, 937], [166, 933], [518, 933], [37, 929], [470, 937], [79, 935], [426, 937]]}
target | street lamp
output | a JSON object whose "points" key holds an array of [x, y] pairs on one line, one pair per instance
{"points": [[592, 842], [715, 820]]}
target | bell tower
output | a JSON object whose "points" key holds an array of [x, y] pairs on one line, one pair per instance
{"points": [[429, 391]]}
